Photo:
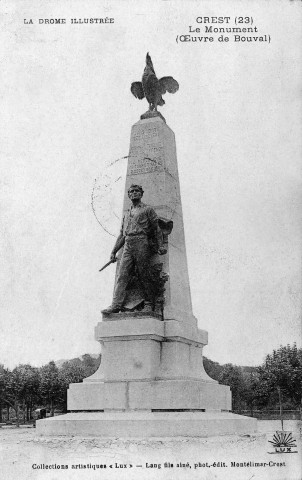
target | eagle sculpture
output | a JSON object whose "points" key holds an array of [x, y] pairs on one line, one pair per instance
{"points": [[152, 88]]}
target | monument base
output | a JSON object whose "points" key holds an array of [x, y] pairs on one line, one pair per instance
{"points": [[147, 424], [151, 383], [149, 395]]}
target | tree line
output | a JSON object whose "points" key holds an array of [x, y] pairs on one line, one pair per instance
{"points": [[26, 388], [277, 383]]}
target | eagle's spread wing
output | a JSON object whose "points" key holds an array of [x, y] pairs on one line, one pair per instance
{"points": [[168, 84], [137, 90]]}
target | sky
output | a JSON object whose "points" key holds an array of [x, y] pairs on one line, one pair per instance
{"points": [[67, 113]]}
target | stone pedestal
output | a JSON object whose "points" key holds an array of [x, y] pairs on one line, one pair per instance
{"points": [[146, 424], [149, 365], [151, 381]]}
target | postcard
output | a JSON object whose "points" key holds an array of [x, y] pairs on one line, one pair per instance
{"points": [[121, 119]]}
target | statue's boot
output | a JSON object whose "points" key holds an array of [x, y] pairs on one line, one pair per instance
{"points": [[112, 309]]}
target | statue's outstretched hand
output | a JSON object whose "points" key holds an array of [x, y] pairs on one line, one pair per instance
{"points": [[113, 257]]}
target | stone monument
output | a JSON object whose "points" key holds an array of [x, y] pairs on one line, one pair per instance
{"points": [[151, 381]]}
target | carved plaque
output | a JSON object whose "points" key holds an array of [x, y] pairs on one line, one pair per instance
{"points": [[142, 134], [146, 153]]}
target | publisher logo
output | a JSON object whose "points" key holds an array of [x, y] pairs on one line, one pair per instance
{"points": [[283, 442]]}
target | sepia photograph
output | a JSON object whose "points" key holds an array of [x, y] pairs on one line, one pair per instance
{"points": [[150, 315]]}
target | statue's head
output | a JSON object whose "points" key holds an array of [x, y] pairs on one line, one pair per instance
{"points": [[149, 64], [135, 191]]}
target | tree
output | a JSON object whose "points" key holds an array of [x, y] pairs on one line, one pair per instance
{"points": [[3, 381], [213, 369], [50, 386], [30, 392], [15, 386], [90, 364], [2, 386], [70, 372], [232, 375], [250, 390], [281, 374]]}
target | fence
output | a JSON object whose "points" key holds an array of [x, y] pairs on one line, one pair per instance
{"points": [[272, 414]]}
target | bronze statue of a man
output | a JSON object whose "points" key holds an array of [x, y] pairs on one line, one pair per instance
{"points": [[139, 234]]}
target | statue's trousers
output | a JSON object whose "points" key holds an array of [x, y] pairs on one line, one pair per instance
{"points": [[136, 253]]}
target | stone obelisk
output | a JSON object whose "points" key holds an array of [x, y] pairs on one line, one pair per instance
{"points": [[153, 164], [151, 381]]}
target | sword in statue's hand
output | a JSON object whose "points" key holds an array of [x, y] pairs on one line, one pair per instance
{"points": [[118, 245], [112, 260]]}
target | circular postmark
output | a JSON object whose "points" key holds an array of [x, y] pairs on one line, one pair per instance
{"points": [[160, 192], [108, 194]]}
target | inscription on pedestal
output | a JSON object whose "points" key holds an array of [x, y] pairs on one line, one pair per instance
{"points": [[146, 153], [142, 134]]}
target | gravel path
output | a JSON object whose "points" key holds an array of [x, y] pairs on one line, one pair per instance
{"points": [[23, 456]]}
